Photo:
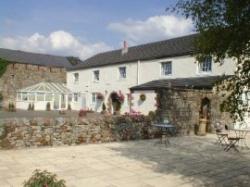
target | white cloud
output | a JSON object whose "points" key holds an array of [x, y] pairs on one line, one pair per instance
{"points": [[152, 29], [58, 42]]}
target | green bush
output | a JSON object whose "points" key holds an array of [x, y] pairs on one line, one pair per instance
{"points": [[44, 179], [48, 106], [69, 107], [12, 107], [103, 107]]}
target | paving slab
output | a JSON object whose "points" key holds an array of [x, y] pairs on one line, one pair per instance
{"points": [[188, 161]]}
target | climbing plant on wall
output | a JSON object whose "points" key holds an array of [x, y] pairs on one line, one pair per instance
{"points": [[3, 66]]}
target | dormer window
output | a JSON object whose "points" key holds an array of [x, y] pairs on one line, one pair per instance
{"points": [[122, 72], [76, 77], [206, 65], [96, 75]]}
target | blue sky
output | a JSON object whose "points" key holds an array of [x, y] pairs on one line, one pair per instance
{"points": [[55, 26]]}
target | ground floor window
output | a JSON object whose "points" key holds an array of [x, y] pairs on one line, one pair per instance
{"points": [[75, 97], [40, 97]]}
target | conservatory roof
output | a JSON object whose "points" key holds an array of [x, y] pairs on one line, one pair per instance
{"points": [[46, 87]]}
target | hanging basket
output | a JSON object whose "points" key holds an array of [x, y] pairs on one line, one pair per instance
{"points": [[143, 97]]}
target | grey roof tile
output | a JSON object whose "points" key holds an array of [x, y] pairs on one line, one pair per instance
{"points": [[183, 83], [34, 58], [168, 48]]}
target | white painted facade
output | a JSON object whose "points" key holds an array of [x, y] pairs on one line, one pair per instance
{"points": [[137, 72]]}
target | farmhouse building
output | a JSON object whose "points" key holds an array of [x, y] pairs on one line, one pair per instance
{"points": [[25, 69], [107, 76]]}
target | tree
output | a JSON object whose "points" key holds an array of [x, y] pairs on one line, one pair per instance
{"points": [[224, 27]]}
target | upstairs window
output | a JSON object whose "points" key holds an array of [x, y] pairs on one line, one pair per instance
{"points": [[206, 65], [122, 72], [166, 68], [96, 75], [76, 77]]}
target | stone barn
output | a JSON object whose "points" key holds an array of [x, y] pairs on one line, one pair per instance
{"points": [[187, 102], [25, 69]]}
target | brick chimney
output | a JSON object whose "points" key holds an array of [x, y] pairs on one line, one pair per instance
{"points": [[125, 48]]}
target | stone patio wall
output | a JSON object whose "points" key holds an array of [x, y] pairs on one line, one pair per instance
{"points": [[182, 107], [20, 133]]}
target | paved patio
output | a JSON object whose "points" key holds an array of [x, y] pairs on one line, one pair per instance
{"points": [[189, 161]]}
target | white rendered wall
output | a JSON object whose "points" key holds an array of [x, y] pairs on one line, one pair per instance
{"points": [[146, 106], [137, 73]]}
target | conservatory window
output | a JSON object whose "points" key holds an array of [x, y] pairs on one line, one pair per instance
{"points": [[24, 97], [48, 97], [40, 96], [75, 97], [31, 97], [70, 97]]}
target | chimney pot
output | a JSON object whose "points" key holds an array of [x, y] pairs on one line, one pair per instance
{"points": [[125, 47]]}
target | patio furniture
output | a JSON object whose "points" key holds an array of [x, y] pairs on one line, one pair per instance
{"points": [[242, 134], [233, 141], [222, 138], [166, 129], [222, 134]]}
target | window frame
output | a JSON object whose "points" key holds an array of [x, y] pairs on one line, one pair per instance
{"points": [[75, 97], [76, 78], [121, 74], [204, 68], [94, 76], [163, 70]]}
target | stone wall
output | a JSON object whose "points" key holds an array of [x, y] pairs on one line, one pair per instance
{"points": [[19, 76], [182, 107], [19, 133]]}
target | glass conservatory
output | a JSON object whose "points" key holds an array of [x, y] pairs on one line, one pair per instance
{"points": [[43, 96]]}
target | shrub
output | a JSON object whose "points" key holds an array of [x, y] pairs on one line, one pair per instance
{"points": [[103, 107], [135, 116], [82, 113], [142, 97], [69, 107], [152, 115], [44, 179], [48, 106], [12, 107], [1, 96], [29, 106]]}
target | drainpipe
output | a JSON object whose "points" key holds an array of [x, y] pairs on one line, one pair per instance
{"points": [[138, 72]]}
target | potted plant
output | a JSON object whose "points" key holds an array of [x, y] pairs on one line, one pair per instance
{"points": [[44, 179]]}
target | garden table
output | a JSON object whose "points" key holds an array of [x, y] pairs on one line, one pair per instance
{"points": [[242, 134], [166, 129]]}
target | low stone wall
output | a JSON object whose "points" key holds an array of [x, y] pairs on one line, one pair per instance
{"points": [[20, 133]]}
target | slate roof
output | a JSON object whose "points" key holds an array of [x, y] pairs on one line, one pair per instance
{"points": [[168, 48], [181, 83], [34, 58]]}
